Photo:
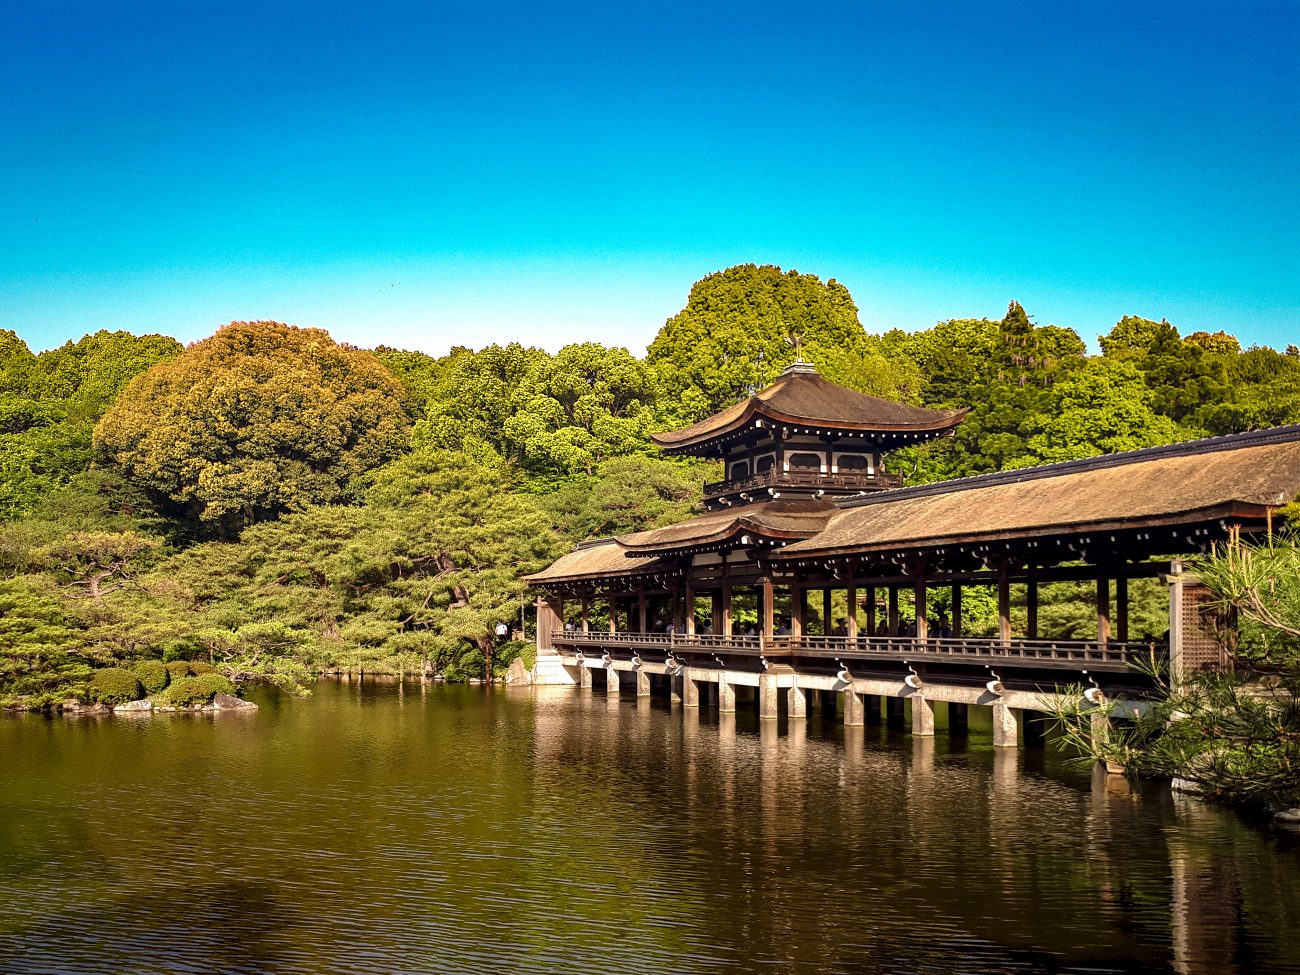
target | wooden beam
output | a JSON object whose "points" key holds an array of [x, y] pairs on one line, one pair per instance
{"points": [[851, 603]]}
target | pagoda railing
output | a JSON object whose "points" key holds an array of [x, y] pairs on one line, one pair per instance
{"points": [[1082, 654], [853, 480]]}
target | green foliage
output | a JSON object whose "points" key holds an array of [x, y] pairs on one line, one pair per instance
{"points": [[260, 419], [734, 337], [152, 674], [188, 692], [49, 405], [115, 685], [551, 415], [1233, 737]]}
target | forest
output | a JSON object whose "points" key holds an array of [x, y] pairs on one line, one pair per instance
{"points": [[267, 504]]}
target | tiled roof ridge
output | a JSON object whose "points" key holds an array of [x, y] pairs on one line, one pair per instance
{"points": [[1186, 448]]}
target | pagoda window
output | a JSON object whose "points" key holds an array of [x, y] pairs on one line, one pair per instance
{"points": [[806, 461], [740, 471], [765, 463], [853, 462]]}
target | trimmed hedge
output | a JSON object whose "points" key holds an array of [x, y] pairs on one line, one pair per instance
{"points": [[153, 675], [114, 685], [178, 669], [186, 692]]}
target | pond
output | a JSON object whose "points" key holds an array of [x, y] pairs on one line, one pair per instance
{"points": [[385, 828]]}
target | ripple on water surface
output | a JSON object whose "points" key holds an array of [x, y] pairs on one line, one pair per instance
{"points": [[372, 829]]}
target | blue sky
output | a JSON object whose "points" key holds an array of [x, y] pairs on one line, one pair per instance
{"points": [[430, 174]]}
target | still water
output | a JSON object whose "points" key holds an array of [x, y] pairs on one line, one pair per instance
{"points": [[446, 829]]}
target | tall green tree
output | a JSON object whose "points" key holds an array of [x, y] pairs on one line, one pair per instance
{"points": [[735, 336], [259, 419]]}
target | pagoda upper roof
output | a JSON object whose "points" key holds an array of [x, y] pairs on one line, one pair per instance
{"points": [[802, 397]]}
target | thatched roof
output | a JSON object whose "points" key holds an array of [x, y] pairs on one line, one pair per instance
{"points": [[597, 560], [1238, 476], [802, 397], [768, 520]]}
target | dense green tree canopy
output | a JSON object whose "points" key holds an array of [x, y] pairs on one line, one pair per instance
{"points": [[260, 419], [734, 337]]}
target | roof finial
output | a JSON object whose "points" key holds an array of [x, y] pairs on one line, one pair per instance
{"points": [[795, 341]]}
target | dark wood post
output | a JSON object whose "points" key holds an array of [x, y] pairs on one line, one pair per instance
{"points": [[726, 611], [870, 605], [826, 612], [1031, 606], [956, 609], [765, 613], [1103, 610], [893, 610], [586, 615], [798, 609], [1004, 602], [851, 604]]}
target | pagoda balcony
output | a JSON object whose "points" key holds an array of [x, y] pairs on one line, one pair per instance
{"points": [[804, 480], [707, 650]]}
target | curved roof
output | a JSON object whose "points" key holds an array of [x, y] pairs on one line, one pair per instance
{"points": [[770, 520], [802, 396]]}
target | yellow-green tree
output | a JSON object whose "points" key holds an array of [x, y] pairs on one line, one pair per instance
{"points": [[259, 419]]}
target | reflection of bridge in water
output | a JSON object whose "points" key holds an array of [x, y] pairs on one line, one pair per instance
{"points": [[852, 847]]}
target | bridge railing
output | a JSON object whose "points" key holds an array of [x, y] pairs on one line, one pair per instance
{"points": [[1112, 655]]}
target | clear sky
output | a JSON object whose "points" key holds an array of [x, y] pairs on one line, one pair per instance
{"points": [[426, 174]]}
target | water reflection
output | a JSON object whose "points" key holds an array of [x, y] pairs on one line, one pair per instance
{"points": [[377, 828]]}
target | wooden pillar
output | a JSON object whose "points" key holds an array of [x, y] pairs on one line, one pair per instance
{"points": [[870, 605], [922, 624], [726, 612], [586, 615], [1121, 609], [798, 610], [765, 614], [690, 609], [1103, 610], [1031, 608], [613, 613], [1004, 602], [550, 619], [893, 610], [851, 605], [827, 622], [956, 609], [642, 612], [715, 611]]}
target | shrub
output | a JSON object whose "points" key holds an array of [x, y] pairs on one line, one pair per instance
{"points": [[186, 692], [178, 669], [201, 667], [114, 685], [152, 674]]}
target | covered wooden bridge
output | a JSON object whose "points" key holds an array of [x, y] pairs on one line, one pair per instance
{"points": [[790, 584]]}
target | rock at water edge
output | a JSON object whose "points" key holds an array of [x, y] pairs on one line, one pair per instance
{"points": [[228, 702], [143, 705], [1289, 815], [518, 673]]}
